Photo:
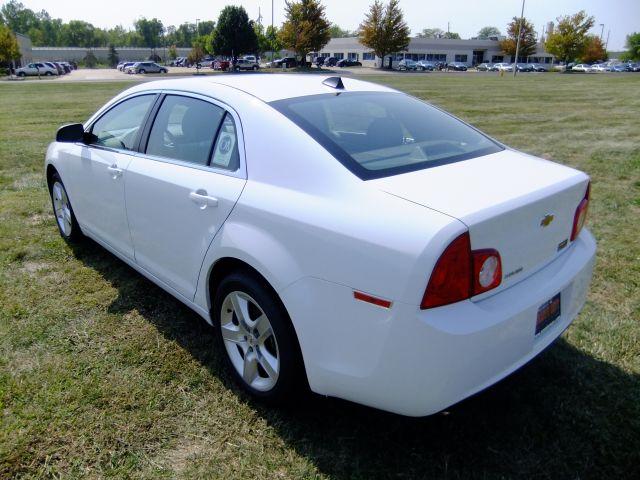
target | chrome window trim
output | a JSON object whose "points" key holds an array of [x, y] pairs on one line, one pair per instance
{"points": [[241, 172]]}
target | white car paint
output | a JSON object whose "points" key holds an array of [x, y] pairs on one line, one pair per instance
{"points": [[317, 233]]}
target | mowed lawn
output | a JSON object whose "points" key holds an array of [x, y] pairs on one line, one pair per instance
{"points": [[102, 374]]}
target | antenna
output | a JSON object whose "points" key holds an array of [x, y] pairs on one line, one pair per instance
{"points": [[334, 82]]}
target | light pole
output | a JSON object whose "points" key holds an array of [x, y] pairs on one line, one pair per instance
{"points": [[197, 30], [271, 42], [602, 31], [515, 67]]}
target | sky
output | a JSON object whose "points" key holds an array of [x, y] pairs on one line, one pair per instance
{"points": [[620, 17]]}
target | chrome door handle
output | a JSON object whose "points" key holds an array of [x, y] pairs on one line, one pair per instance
{"points": [[114, 171], [201, 198]]}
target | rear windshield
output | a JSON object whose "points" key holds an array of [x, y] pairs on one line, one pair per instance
{"points": [[382, 134]]}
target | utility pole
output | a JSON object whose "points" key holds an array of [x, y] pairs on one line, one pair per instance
{"points": [[602, 32], [515, 66], [271, 42], [606, 45]]}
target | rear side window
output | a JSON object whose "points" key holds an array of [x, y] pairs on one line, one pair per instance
{"points": [[119, 127], [184, 129], [225, 152], [381, 134]]}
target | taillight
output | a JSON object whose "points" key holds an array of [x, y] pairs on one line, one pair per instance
{"points": [[461, 273], [580, 217]]}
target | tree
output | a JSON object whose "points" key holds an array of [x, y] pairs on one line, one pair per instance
{"points": [[569, 38], [173, 52], [594, 50], [112, 57], [205, 27], [384, 30], [528, 39], [150, 31], [195, 55], [273, 39], [336, 32], [633, 47], [77, 33], [431, 33], [452, 35], [306, 28], [9, 48], [90, 60], [487, 32], [233, 34]]}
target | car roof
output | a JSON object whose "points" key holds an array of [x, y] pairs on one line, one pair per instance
{"points": [[267, 87]]}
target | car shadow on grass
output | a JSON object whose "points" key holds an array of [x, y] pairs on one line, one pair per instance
{"points": [[564, 415]]}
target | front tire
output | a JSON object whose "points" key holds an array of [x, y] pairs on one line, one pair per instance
{"points": [[142, 71], [65, 218], [255, 333]]}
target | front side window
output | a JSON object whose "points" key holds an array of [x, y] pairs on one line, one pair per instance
{"points": [[184, 129], [119, 127], [380, 134]]}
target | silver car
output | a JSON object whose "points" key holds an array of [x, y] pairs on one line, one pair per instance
{"points": [[146, 67], [36, 69]]}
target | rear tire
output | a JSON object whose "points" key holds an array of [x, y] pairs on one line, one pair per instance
{"points": [[48, 74], [21, 74], [255, 334], [142, 71], [65, 218]]}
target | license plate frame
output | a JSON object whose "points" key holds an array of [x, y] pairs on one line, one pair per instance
{"points": [[548, 313]]}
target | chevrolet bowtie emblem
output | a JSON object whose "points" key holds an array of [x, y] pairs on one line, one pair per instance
{"points": [[546, 220]]}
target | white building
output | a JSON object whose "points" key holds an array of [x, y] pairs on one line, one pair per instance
{"points": [[471, 52]]}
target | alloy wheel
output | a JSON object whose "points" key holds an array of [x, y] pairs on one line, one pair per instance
{"points": [[61, 208], [250, 341]]}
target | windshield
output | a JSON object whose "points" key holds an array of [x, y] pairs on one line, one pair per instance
{"points": [[381, 134]]}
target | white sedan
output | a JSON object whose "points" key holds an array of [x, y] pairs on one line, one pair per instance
{"points": [[336, 233]]}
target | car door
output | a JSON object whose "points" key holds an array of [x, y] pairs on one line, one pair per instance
{"points": [[99, 175], [180, 192]]}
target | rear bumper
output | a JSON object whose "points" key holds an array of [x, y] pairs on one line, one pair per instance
{"points": [[417, 362]]}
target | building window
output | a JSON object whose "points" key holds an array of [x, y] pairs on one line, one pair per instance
{"points": [[497, 59], [398, 56], [352, 56], [368, 56], [437, 57], [461, 58], [339, 56], [325, 54]]}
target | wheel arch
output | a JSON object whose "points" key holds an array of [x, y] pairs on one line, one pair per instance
{"points": [[224, 266]]}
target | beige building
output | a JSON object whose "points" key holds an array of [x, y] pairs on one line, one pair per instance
{"points": [[471, 52]]}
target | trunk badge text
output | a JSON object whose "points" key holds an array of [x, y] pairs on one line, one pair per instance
{"points": [[546, 220]]}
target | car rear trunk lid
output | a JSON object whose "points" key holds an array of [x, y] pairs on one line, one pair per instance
{"points": [[518, 204]]}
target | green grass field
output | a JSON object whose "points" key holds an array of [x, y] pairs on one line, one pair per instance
{"points": [[102, 374]]}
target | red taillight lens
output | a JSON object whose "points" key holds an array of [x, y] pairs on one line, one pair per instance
{"points": [[580, 217], [451, 278], [461, 273]]}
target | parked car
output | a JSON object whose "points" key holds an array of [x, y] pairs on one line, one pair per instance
{"points": [[221, 64], [599, 67], [457, 66], [330, 61], [245, 64], [525, 67], [37, 68], [635, 67], [484, 67], [582, 67], [406, 64], [250, 58], [540, 67], [59, 70], [67, 67], [422, 65], [286, 62], [319, 61], [122, 66], [146, 67], [474, 261], [621, 67], [345, 62], [502, 67]]}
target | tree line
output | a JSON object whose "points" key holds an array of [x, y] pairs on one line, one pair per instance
{"points": [[306, 29]]}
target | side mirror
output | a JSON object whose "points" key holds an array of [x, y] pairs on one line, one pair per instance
{"points": [[70, 133]]}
